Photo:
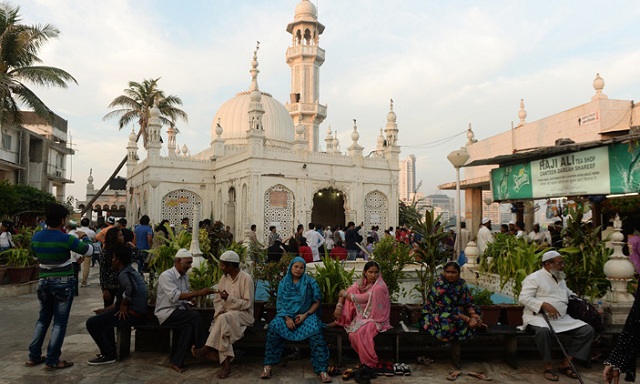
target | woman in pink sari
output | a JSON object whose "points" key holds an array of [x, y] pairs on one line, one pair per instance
{"points": [[363, 311]]}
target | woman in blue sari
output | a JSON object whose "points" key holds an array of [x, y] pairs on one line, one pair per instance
{"points": [[297, 319]]}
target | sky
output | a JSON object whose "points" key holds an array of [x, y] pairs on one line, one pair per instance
{"points": [[446, 64]]}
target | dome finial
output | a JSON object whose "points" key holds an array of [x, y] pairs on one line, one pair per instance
{"points": [[254, 70], [522, 113], [90, 178], [391, 116], [598, 83], [471, 136]]}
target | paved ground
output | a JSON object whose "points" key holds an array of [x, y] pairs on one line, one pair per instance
{"points": [[18, 316]]}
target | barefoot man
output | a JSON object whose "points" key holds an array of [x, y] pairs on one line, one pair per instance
{"points": [[233, 313]]}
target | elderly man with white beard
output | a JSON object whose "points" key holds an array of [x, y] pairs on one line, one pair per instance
{"points": [[546, 291]]}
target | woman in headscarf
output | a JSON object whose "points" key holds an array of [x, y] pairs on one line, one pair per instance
{"points": [[297, 319], [449, 312], [363, 310]]}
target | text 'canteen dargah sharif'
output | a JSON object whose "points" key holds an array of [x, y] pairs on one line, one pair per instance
{"points": [[264, 164]]}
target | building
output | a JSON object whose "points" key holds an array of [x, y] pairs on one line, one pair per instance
{"points": [[35, 154], [264, 164], [407, 178], [112, 201], [442, 205], [599, 122]]}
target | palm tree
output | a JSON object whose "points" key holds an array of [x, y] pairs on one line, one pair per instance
{"points": [[136, 102], [19, 46]]}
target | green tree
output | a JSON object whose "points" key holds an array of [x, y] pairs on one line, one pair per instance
{"points": [[8, 198], [136, 102], [408, 213], [31, 199], [19, 46]]}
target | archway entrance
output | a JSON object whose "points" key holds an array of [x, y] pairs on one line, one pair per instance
{"points": [[328, 207]]}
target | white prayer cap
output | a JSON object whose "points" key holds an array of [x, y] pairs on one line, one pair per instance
{"points": [[512, 222], [485, 220], [230, 256], [550, 255], [183, 252]]}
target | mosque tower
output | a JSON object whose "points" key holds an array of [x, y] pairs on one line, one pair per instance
{"points": [[305, 58]]}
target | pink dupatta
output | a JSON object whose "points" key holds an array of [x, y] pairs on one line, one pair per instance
{"points": [[369, 303]]}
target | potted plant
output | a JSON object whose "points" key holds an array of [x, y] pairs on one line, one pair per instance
{"points": [[331, 277], [270, 274], [490, 311], [205, 276], [428, 254], [20, 264], [393, 256]]}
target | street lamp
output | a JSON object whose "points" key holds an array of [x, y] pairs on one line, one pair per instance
{"points": [[458, 158]]}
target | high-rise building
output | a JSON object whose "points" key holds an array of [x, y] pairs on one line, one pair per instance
{"points": [[407, 178]]}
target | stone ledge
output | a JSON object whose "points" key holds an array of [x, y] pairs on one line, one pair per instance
{"points": [[13, 290]]}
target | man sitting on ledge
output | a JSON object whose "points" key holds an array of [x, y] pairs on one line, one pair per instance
{"points": [[233, 313], [172, 306], [545, 291]]}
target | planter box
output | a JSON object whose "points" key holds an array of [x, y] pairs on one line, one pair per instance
{"points": [[327, 312], [258, 310], [490, 314], [3, 270], [19, 275], [397, 314], [512, 315], [413, 313]]}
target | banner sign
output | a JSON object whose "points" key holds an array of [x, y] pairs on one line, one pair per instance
{"points": [[597, 171]]}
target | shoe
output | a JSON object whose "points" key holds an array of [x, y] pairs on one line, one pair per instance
{"points": [[85, 285], [406, 370], [102, 360], [397, 369]]}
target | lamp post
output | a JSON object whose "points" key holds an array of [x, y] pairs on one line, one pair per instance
{"points": [[458, 158]]}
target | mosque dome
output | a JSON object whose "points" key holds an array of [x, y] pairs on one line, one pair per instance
{"points": [[234, 120], [305, 9]]}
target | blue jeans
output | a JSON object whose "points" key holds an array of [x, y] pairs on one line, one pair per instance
{"points": [[56, 296], [351, 254]]}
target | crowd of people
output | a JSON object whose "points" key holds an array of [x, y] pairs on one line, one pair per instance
{"points": [[363, 309]]}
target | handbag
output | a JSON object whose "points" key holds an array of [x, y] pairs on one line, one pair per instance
{"points": [[583, 310]]}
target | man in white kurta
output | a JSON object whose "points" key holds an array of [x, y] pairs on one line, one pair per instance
{"points": [[546, 291], [484, 235], [314, 241], [233, 313]]}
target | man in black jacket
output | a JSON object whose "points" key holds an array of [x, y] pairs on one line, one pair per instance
{"points": [[352, 237]]}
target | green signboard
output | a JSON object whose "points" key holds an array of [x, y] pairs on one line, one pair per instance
{"points": [[598, 171]]}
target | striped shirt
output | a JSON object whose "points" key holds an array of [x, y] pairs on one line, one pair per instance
{"points": [[52, 249]]}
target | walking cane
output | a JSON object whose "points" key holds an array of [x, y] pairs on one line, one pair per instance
{"points": [[573, 367]]}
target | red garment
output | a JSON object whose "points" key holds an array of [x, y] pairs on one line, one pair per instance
{"points": [[306, 253], [338, 253]]}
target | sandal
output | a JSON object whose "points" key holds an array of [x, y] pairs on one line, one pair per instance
{"points": [[62, 364], [324, 377], [33, 363], [453, 376], [551, 375], [480, 375], [348, 374], [266, 372], [424, 360], [333, 370], [568, 371]]}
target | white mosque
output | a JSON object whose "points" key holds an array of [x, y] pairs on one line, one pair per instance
{"points": [[265, 164]]}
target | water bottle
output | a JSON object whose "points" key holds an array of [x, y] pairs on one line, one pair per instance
{"points": [[600, 309]]}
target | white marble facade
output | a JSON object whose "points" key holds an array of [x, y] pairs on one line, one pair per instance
{"points": [[264, 165]]}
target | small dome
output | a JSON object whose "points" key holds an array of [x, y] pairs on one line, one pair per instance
{"points": [[234, 118], [305, 9], [133, 136]]}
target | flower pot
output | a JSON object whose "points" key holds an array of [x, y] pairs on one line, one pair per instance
{"points": [[269, 312], [258, 310], [490, 314], [413, 313], [3, 270], [36, 273], [511, 314], [327, 312], [396, 314], [19, 275]]}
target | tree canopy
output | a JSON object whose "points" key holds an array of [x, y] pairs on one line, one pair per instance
{"points": [[136, 102], [19, 46]]}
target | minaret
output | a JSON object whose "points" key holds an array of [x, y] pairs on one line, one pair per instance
{"points": [[153, 133], [132, 150], [392, 150], [255, 133], [329, 140], [171, 138], [305, 58]]}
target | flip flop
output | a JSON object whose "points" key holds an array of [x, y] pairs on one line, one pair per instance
{"points": [[32, 363], [62, 364], [348, 374], [568, 371], [266, 373], [553, 377], [324, 377], [453, 376], [424, 360], [480, 375]]}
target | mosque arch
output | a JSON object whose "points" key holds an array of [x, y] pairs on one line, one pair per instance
{"points": [[279, 205], [328, 207], [376, 209], [179, 203]]}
